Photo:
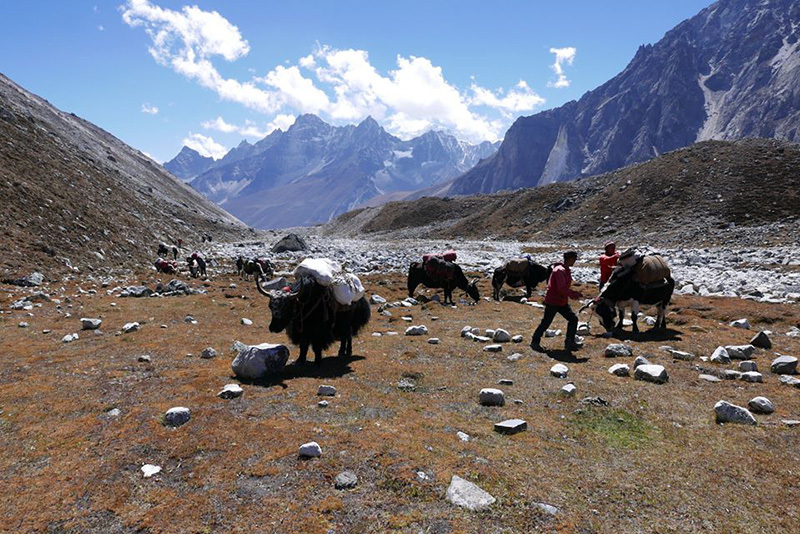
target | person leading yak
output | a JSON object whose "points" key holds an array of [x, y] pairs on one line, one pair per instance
{"points": [[608, 260], [556, 301]]}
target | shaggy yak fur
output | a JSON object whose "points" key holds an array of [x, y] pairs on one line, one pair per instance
{"points": [[417, 275], [258, 267], [312, 317], [534, 274]]}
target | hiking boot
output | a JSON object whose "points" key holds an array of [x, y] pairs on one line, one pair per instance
{"points": [[572, 346], [537, 347]]}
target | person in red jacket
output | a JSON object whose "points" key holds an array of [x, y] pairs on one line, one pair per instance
{"points": [[607, 262], [556, 300]]}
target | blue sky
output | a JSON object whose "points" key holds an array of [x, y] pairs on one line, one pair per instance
{"points": [[162, 73]]}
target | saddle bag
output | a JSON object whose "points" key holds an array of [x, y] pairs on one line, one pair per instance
{"points": [[517, 267], [651, 269]]}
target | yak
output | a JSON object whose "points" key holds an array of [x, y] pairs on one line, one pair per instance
{"points": [[529, 276], [623, 290], [197, 265], [418, 274], [165, 266], [312, 318], [256, 266]]}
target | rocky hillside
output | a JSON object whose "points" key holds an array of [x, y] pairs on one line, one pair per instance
{"points": [[315, 171], [730, 72], [745, 191], [75, 196]]}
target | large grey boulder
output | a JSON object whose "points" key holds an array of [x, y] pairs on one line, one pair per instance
{"points": [[640, 360], [620, 369], [748, 365], [740, 352], [720, 355], [90, 324], [618, 350], [230, 391], [740, 323], [761, 341], [761, 405], [751, 376], [501, 336], [419, 330], [651, 373], [467, 495], [256, 362], [730, 413], [177, 416], [492, 397], [290, 243], [559, 370], [136, 292], [345, 480], [784, 365], [310, 450], [510, 426]]}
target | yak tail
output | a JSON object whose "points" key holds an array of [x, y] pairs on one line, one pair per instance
{"points": [[361, 315]]}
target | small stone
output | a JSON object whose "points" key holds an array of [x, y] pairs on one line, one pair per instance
{"points": [[230, 391], [326, 391], [492, 397], [751, 376], [150, 470], [720, 355], [552, 333], [476, 331], [489, 333], [761, 341], [640, 360], [761, 405], [433, 341], [177, 416], [568, 390], [740, 323], [246, 322], [740, 352], [345, 480], [651, 373], [189, 319], [748, 365], [466, 330], [492, 348], [620, 369], [618, 350], [114, 412], [467, 495], [501, 336], [710, 378], [90, 324], [23, 324], [46, 331], [730, 374], [420, 330], [730, 413], [505, 382], [790, 422], [517, 339], [784, 365], [208, 353], [130, 327], [69, 338], [790, 381], [510, 426], [584, 329], [514, 357], [323, 404], [683, 356], [546, 508], [377, 299], [144, 358], [559, 370], [463, 436], [310, 450]]}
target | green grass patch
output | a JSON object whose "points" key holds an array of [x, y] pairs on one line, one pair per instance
{"points": [[618, 428]]}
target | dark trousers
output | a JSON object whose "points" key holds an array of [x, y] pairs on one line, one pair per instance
{"points": [[550, 312]]}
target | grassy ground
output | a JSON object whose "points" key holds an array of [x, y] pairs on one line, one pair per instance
{"points": [[653, 461]]}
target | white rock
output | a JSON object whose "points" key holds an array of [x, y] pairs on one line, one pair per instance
{"points": [[177, 416], [466, 330], [559, 370], [323, 404], [23, 324], [501, 336], [377, 299], [584, 329], [150, 470], [552, 333], [748, 365], [130, 327], [730, 413], [476, 331], [310, 450], [740, 352], [618, 350], [640, 360], [510, 426], [255, 362], [620, 369], [784, 365], [517, 339], [420, 330], [326, 391], [492, 397], [463, 436], [489, 333], [683, 356], [568, 390], [761, 405], [740, 323], [514, 357], [246, 322], [651, 373], [467, 495], [90, 324], [69, 338], [208, 353], [492, 348], [433, 341], [230, 391], [751, 376], [720, 355]]}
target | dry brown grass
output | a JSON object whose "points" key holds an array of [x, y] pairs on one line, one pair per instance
{"points": [[652, 462]]}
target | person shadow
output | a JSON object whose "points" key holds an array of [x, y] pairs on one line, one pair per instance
{"points": [[665, 334], [330, 367], [565, 356]]}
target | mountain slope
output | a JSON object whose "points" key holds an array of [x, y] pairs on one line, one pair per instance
{"points": [[74, 195], [746, 191], [315, 171], [188, 164], [730, 72]]}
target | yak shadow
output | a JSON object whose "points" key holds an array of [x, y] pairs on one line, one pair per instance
{"points": [[331, 367], [565, 356], [666, 334]]}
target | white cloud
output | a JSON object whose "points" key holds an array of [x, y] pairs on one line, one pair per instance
{"points": [[249, 129], [340, 85], [563, 56], [101, 28], [205, 145], [280, 122], [150, 110]]}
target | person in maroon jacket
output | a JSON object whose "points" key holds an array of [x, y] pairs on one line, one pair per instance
{"points": [[556, 300]]}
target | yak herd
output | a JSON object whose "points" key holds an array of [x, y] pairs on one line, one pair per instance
{"points": [[313, 318]]}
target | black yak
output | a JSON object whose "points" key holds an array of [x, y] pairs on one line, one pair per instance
{"points": [[312, 317], [518, 273], [448, 277]]}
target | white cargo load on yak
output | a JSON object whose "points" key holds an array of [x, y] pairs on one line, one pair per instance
{"points": [[322, 270], [347, 289]]}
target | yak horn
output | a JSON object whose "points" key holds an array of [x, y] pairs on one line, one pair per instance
{"points": [[261, 290], [588, 304]]}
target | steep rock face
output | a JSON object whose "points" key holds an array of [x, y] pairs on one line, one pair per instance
{"points": [[74, 195], [730, 72], [315, 171], [188, 164]]}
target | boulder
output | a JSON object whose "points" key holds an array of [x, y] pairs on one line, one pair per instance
{"points": [[177, 286], [710, 378], [256, 362], [720, 355], [651, 373], [245, 321], [559, 370], [748, 365], [377, 299], [420, 330], [751, 376], [510, 426], [177, 416], [90, 324], [517, 339], [568, 390], [740, 352], [130, 327], [492, 348], [740, 323], [310, 450], [492, 397], [208, 353], [584, 329], [144, 358], [618, 350], [761, 341], [784, 365], [69, 338], [787, 380], [640, 360], [501, 336], [345, 480], [467, 495], [230, 391], [730, 413], [290, 243], [683, 356], [433, 341], [620, 369], [466, 330], [136, 292], [761, 405], [326, 391]]}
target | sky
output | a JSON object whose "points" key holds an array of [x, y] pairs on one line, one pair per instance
{"points": [[160, 74]]}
